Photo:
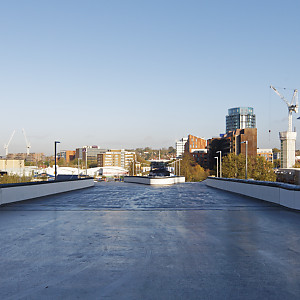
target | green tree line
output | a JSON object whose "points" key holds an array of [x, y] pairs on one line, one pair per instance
{"points": [[234, 166]]}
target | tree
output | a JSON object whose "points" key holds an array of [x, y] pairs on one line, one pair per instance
{"points": [[276, 163], [234, 166], [190, 169]]}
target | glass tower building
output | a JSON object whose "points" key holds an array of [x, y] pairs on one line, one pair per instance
{"points": [[240, 118]]}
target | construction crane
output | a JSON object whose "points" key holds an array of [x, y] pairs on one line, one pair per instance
{"points": [[6, 145], [28, 146], [291, 106]]}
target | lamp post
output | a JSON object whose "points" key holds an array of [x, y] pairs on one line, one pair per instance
{"points": [[78, 160], [217, 158], [86, 160], [220, 162], [55, 169], [246, 142]]}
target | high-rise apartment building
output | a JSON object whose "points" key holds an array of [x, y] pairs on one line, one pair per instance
{"points": [[180, 146], [240, 118]]}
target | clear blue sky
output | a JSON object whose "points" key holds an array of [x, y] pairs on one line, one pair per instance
{"points": [[127, 74]]}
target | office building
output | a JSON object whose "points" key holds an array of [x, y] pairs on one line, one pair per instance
{"points": [[92, 152], [116, 158], [240, 118]]}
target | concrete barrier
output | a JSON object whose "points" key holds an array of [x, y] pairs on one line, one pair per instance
{"points": [[287, 195], [25, 191], [154, 180]]}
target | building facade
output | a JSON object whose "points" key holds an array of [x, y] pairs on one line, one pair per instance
{"points": [[89, 152], [287, 148], [266, 153], [116, 158], [201, 157], [31, 157], [240, 118], [67, 155], [180, 147], [8, 164], [194, 143], [232, 142]]}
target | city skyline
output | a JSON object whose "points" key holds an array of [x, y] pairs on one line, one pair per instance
{"points": [[128, 74]]}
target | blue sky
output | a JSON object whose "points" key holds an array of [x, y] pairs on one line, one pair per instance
{"points": [[127, 74]]}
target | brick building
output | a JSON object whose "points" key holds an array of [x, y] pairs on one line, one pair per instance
{"points": [[67, 155], [194, 143], [232, 142]]}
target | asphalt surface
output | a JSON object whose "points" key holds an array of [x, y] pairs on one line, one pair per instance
{"points": [[128, 241]]}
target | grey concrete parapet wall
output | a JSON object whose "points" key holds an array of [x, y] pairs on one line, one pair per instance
{"points": [[24, 191], [155, 180], [287, 195]]}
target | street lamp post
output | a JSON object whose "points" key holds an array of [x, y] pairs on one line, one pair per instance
{"points": [[220, 162], [86, 160], [55, 168], [78, 161], [217, 158], [246, 142]]}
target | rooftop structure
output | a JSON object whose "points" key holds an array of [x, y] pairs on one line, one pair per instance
{"points": [[240, 118], [126, 241]]}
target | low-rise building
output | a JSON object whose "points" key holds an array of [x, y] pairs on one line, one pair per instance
{"points": [[67, 155], [31, 157], [201, 157], [8, 164], [115, 158], [266, 153]]}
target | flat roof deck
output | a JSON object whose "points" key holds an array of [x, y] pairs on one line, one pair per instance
{"points": [[127, 241]]}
